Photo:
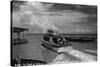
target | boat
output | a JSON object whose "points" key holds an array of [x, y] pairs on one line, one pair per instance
{"points": [[51, 41]]}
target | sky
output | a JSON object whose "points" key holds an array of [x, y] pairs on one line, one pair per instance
{"points": [[66, 18]]}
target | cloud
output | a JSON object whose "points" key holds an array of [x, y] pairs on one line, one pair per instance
{"points": [[39, 15], [48, 6]]}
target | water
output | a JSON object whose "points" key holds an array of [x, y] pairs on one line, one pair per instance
{"points": [[33, 49]]}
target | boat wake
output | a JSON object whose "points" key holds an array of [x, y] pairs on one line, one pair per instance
{"points": [[71, 55]]}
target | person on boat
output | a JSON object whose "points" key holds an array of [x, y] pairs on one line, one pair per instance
{"points": [[50, 32], [61, 40]]}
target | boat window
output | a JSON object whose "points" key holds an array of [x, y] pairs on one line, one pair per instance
{"points": [[46, 38]]}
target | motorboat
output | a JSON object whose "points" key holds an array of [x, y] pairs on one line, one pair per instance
{"points": [[53, 42]]}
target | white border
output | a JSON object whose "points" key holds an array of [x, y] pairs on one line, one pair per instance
{"points": [[5, 32]]}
